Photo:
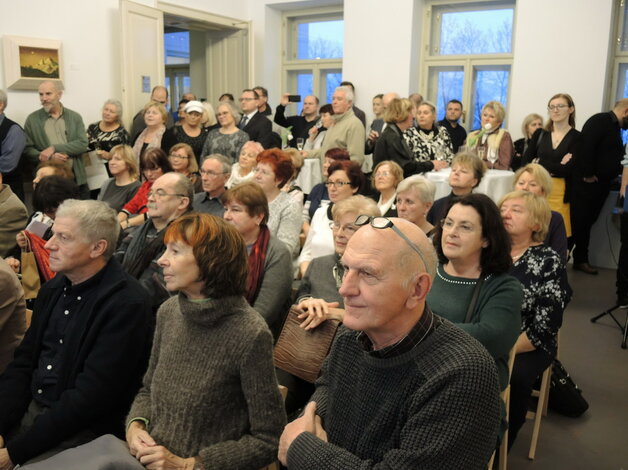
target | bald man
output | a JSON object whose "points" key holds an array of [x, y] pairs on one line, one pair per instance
{"points": [[597, 165], [55, 132], [401, 387]]}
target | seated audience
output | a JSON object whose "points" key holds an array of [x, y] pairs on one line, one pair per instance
{"points": [[274, 169], [169, 198], [190, 132], [386, 176], [269, 279], [109, 132], [13, 218], [81, 362], [155, 117], [426, 393], [228, 139], [49, 168], [214, 174], [491, 141], [546, 292], [345, 179], [12, 314], [319, 192], [182, 160], [291, 187], [124, 184], [153, 164], [474, 254], [467, 171], [229, 412], [316, 133], [530, 124], [535, 179], [47, 197], [428, 141], [415, 196], [242, 170]]}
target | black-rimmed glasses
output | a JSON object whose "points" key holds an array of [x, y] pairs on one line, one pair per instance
{"points": [[385, 222]]}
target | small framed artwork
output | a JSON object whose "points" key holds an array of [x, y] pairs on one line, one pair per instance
{"points": [[30, 61]]}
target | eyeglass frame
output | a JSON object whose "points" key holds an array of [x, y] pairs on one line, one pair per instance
{"points": [[335, 226], [174, 155], [557, 107], [337, 184], [156, 193], [364, 219]]}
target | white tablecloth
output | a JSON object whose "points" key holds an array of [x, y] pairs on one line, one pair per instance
{"points": [[495, 183], [310, 174]]}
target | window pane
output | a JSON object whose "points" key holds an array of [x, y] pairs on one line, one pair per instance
{"points": [[488, 85], [332, 81], [476, 32], [177, 48], [320, 40], [445, 83]]}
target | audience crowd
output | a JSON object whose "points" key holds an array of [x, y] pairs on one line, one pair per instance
{"points": [[163, 288]]}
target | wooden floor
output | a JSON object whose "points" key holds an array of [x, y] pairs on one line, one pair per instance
{"points": [[591, 353]]}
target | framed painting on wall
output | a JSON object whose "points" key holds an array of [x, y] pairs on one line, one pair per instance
{"points": [[29, 61]]}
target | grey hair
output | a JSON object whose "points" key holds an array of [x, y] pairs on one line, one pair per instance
{"points": [[184, 186], [3, 97], [224, 161], [96, 219], [359, 205], [117, 104], [347, 91], [425, 189], [232, 109]]}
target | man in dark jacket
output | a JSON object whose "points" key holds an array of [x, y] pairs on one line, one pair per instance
{"points": [[598, 165], [81, 362]]}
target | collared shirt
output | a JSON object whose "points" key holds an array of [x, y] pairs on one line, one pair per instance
{"points": [[11, 147], [248, 118], [55, 129], [203, 202], [421, 330], [74, 301]]}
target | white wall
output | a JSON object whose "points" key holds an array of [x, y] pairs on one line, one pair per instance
{"points": [[564, 49]]}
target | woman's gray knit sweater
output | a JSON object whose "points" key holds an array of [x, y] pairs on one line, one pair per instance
{"points": [[210, 390]]}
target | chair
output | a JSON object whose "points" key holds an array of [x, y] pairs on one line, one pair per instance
{"points": [[541, 407], [505, 396]]}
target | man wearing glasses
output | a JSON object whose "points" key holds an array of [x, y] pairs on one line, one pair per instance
{"points": [[169, 198], [255, 124], [215, 172], [401, 387]]}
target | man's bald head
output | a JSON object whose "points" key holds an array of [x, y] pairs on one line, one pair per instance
{"points": [[388, 97]]}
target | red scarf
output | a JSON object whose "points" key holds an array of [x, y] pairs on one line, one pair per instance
{"points": [[42, 256], [257, 258]]}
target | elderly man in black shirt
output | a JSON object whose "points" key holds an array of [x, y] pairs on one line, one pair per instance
{"points": [[81, 362]]}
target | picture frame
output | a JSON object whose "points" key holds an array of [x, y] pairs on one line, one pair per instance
{"points": [[30, 61]]}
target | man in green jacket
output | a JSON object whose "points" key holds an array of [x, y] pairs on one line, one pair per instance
{"points": [[55, 132]]}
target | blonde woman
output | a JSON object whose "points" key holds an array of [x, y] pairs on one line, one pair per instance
{"points": [[155, 117], [492, 143], [242, 170], [183, 161], [124, 183]]}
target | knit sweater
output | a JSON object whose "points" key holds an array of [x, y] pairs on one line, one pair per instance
{"points": [[210, 390], [434, 407], [347, 133], [496, 320], [285, 220]]}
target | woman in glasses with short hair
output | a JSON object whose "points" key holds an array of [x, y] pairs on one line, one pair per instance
{"points": [[345, 178], [555, 148], [386, 177], [472, 287]]}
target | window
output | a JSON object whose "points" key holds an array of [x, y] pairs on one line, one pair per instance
{"points": [[312, 56], [467, 55], [619, 88]]}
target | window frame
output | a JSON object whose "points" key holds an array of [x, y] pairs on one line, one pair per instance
{"points": [[468, 62], [317, 67], [619, 57]]}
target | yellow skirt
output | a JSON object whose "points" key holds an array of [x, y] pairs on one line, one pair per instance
{"points": [[555, 200]]}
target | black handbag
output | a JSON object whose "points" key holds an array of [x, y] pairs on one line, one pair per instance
{"points": [[565, 397]]}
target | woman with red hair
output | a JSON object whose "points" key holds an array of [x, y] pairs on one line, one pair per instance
{"points": [[274, 169]]}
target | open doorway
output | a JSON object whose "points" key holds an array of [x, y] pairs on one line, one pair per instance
{"points": [[177, 65]]}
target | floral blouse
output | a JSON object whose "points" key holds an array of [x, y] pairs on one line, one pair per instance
{"points": [[433, 145], [546, 293]]}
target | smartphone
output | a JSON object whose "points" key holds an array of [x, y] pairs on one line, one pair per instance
{"points": [[294, 98]]}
